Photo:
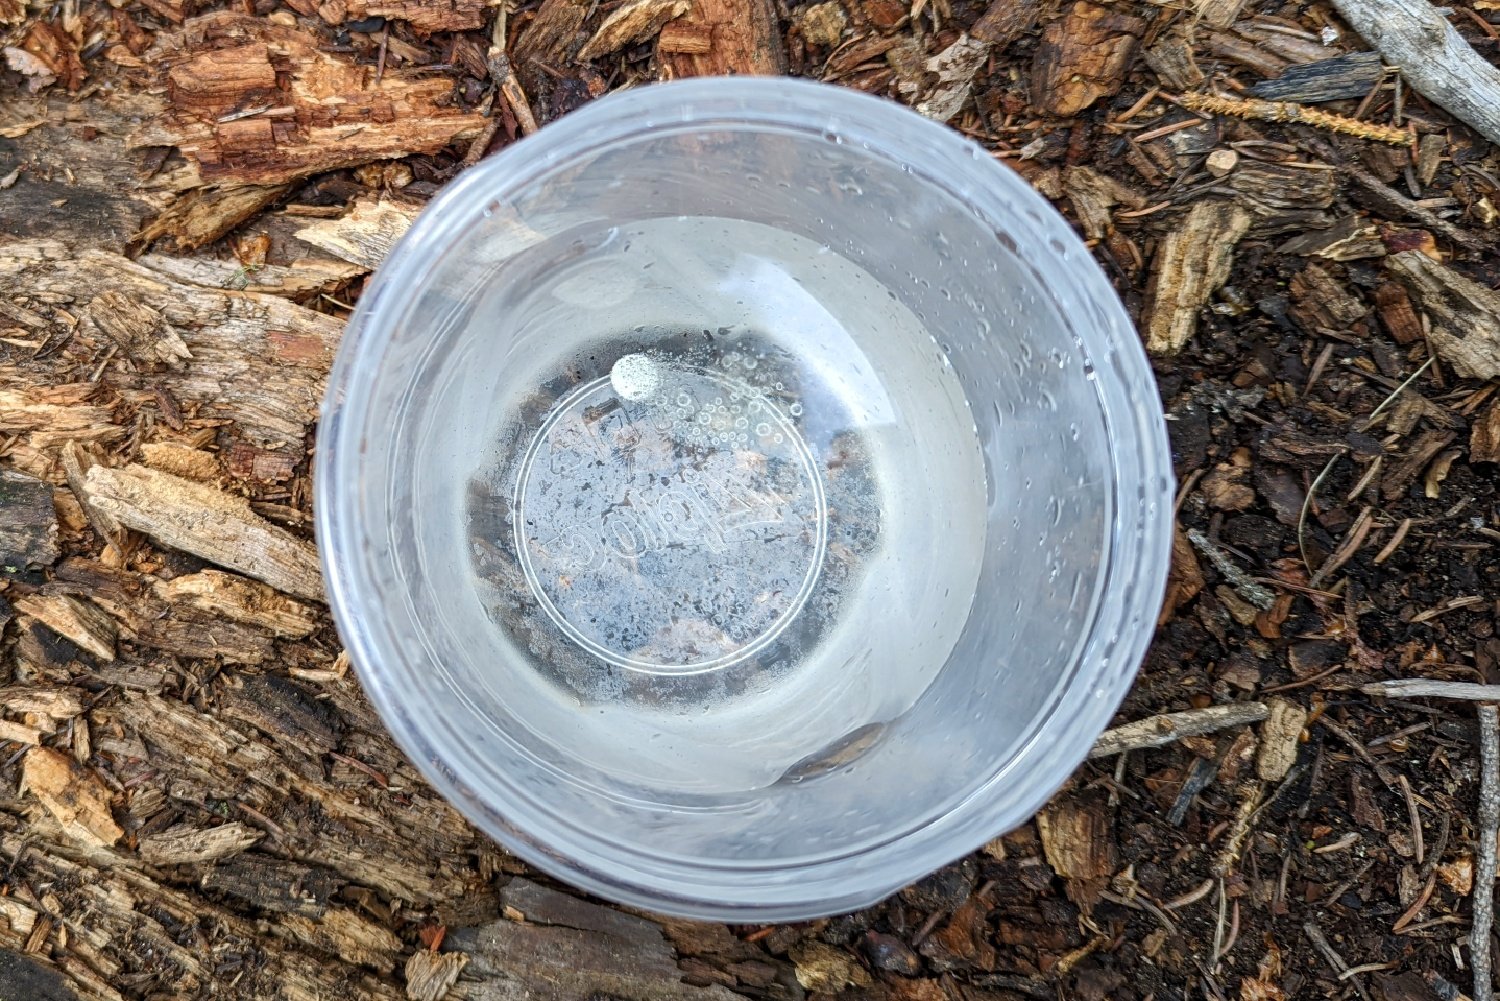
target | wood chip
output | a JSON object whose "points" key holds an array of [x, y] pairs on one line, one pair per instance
{"points": [[579, 949], [345, 934], [1346, 76], [742, 38], [198, 217], [1004, 21], [430, 975], [208, 523], [424, 15], [1082, 57], [257, 359], [184, 845], [77, 619], [336, 116], [1193, 262], [1077, 832], [1280, 737], [365, 234], [240, 600], [825, 969], [955, 67], [58, 703], [74, 796], [1094, 195], [630, 24], [1484, 439], [28, 521], [1465, 315]]}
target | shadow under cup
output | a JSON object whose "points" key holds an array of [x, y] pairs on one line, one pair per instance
{"points": [[952, 412]]}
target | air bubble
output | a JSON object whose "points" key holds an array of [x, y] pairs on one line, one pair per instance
{"points": [[795, 409], [762, 429]]}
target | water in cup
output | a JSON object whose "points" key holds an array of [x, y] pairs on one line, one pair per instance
{"points": [[706, 509]]}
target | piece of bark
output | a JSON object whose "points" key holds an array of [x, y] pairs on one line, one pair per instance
{"points": [[365, 234], [28, 521], [1077, 832], [345, 934], [430, 975], [1271, 190], [1349, 239], [1394, 308], [1214, 13], [1484, 439], [302, 277], [1422, 451], [31, 978], [824, 969], [1434, 58], [1082, 57], [1004, 21], [1094, 195], [424, 15], [509, 961], [182, 845], [57, 703], [322, 111], [240, 600], [208, 523], [1193, 262], [631, 24], [76, 462], [1465, 315], [77, 619], [1347, 76], [743, 38], [47, 417], [1321, 303], [1184, 579], [551, 39], [74, 795], [117, 914], [141, 331], [1280, 737], [954, 68], [257, 359], [1171, 58], [198, 217], [275, 885]]}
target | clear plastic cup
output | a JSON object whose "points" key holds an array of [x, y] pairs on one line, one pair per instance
{"points": [[743, 497]]}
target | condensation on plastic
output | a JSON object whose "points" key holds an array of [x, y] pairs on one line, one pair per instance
{"points": [[1070, 579]]}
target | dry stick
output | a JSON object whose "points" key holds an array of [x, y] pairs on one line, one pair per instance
{"points": [[1422, 688], [1315, 934], [1484, 875], [1434, 59], [1158, 731]]}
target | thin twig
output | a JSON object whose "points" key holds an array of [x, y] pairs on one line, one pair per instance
{"points": [[1242, 582], [1307, 506], [1416, 819], [1158, 731], [1484, 870], [1315, 935], [1424, 688]]}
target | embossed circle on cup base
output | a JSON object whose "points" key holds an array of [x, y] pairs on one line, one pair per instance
{"points": [[676, 533]]}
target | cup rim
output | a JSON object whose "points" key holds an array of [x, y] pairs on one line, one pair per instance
{"points": [[1136, 558]]}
